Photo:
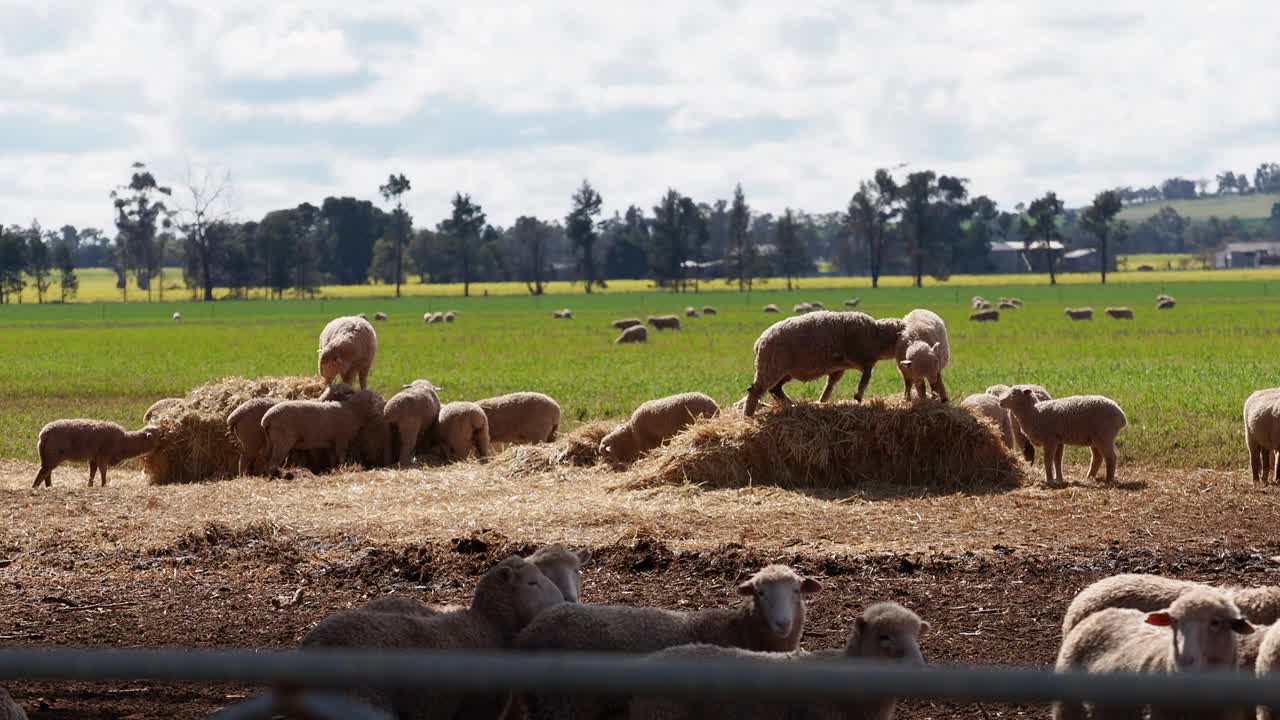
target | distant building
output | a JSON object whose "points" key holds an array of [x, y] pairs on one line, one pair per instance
{"points": [[1014, 257], [1247, 255]]}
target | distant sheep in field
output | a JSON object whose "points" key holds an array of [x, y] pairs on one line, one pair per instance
{"points": [[347, 348], [633, 334], [980, 303], [691, 312], [1148, 593], [409, 413], [1084, 313], [853, 302], [708, 310], [923, 352], [1092, 421], [1006, 305], [463, 429], [450, 316], [177, 317], [653, 423], [802, 308], [988, 315], [158, 407], [521, 418], [1012, 302], [664, 322], [563, 314], [771, 308], [1164, 302], [1120, 313], [245, 424], [103, 444], [625, 323], [1262, 434], [433, 318], [817, 305], [379, 316], [319, 424]]}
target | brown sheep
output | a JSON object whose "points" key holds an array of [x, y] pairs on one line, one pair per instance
{"points": [[653, 423], [103, 444], [461, 429], [408, 414], [318, 425], [347, 348], [633, 334], [664, 322], [521, 417], [245, 423]]}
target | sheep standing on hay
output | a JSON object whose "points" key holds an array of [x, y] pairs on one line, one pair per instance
{"points": [[653, 423], [1084, 313], [771, 308], [1120, 313], [1086, 420], [521, 418], [10, 710], [1262, 433], [103, 444], [708, 310], [625, 323], [986, 315], [1020, 438], [772, 619], [988, 406], [1139, 591], [633, 334], [327, 424], [245, 424], [664, 322], [884, 632], [923, 352], [347, 347], [409, 413], [820, 343], [506, 600], [462, 428], [1196, 632], [158, 408]]}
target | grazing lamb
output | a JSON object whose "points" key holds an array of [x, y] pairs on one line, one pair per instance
{"points": [[159, 407], [985, 315], [1017, 302], [450, 316], [1120, 313], [462, 428], [708, 310], [853, 302], [1084, 313], [771, 308], [625, 323], [1087, 420], [245, 423], [177, 317], [923, 352], [1149, 593], [506, 600], [817, 344], [884, 632], [664, 322], [347, 347], [10, 710], [521, 418], [1028, 449], [802, 308], [633, 334], [1196, 632], [408, 414], [1262, 434], [653, 423], [379, 316], [987, 406], [772, 620], [329, 424], [103, 444], [691, 311]]}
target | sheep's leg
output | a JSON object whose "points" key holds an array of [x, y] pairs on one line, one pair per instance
{"points": [[43, 475], [364, 378], [1109, 454], [1275, 456], [1255, 458], [862, 383], [921, 391], [1268, 462], [1095, 461], [102, 470], [245, 466], [753, 399], [906, 387], [1069, 711], [1057, 462], [408, 435], [1050, 453], [938, 388], [482, 443], [551, 436], [93, 470], [780, 394], [339, 453], [830, 387]]}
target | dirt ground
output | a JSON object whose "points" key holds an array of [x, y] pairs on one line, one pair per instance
{"points": [[218, 564]]}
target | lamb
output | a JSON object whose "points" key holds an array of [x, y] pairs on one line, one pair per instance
{"points": [[408, 414], [885, 632], [771, 308], [1120, 313], [1262, 433], [653, 423], [1165, 304], [158, 407], [633, 334], [1084, 313], [1148, 593], [177, 317], [853, 302], [771, 620], [103, 444], [691, 311], [984, 405], [450, 315], [1020, 438], [521, 417], [1201, 636], [664, 322], [802, 308], [708, 310], [328, 424], [347, 347], [625, 323], [245, 423], [923, 352], [1090, 420], [820, 343], [985, 315], [379, 316], [10, 710], [462, 428], [506, 600]]}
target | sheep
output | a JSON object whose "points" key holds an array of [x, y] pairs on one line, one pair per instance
{"points": [[1028, 449], [771, 308], [625, 323], [347, 348], [564, 314], [853, 302], [521, 417], [450, 316], [664, 322], [816, 344], [1262, 433], [987, 406], [987, 315], [177, 317], [1017, 302], [802, 308], [885, 632], [328, 424], [633, 334], [1148, 593], [426, 317], [462, 428], [10, 710], [408, 414], [1084, 313], [709, 310], [245, 423], [379, 316], [432, 318], [1165, 304], [980, 305], [691, 311], [772, 620], [506, 599], [1268, 661], [158, 407], [103, 444], [1120, 313], [923, 352], [1087, 420], [977, 301], [1202, 628], [363, 316], [817, 305], [653, 423], [1006, 305]]}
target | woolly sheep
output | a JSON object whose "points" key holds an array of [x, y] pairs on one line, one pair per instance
{"points": [[772, 620], [1120, 313], [521, 417], [462, 428], [379, 316], [1268, 661], [771, 308], [1165, 304], [987, 406], [625, 323], [177, 317], [363, 316], [1084, 313], [982, 305], [450, 316], [1139, 591], [802, 308], [564, 314], [708, 310], [664, 322], [817, 305], [853, 302], [923, 352], [977, 300], [1017, 302], [1086, 420], [347, 348], [506, 599], [1262, 433], [10, 710], [329, 424], [885, 632], [1028, 449], [1202, 625], [408, 414], [653, 423], [817, 344], [987, 315], [691, 311], [103, 444], [433, 317], [633, 334], [159, 407], [245, 424], [1006, 305]]}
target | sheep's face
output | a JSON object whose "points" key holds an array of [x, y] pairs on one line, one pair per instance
{"points": [[921, 358], [532, 591], [564, 569], [618, 446], [1203, 633], [1018, 397], [332, 363], [778, 596], [337, 393], [887, 631]]}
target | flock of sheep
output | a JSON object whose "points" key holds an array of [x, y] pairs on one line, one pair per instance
{"points": [[985, 311]]}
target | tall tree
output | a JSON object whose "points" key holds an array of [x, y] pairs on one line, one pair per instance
{"points": [[13, 263], [203, 204], [464, 227], [1100, 220], [140, 214], [530, 235], [421, 248], [39, 261], [791, 251], [356, 226], [915, 195], [580, 225], [741, 250], [64, 258], [693, 223], [870, 210], [277, 241], [395, 188], [669, 241], [1041, 225]]}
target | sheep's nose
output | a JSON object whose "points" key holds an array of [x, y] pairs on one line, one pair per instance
{"points": [[780, 627]]}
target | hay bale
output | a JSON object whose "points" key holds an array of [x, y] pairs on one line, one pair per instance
{"points": [[580, 447], [926, 445]]}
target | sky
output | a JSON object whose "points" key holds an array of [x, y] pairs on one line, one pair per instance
{"points": [[516, 104]]}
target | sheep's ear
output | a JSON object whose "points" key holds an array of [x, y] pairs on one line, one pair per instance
{"points": [[1241, 626], [809, 586], [747, 588], [584, 555], [905, 363], [1160, 619], [936, 346]]}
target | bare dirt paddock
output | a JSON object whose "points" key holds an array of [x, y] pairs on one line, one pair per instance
{"points": [[220, 564]]}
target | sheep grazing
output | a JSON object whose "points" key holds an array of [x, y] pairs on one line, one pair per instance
{"points": [[987, 406], [802, 308], [450, 316], [462, 429], [1120, 313], [177, 317], [772, 619], [563, 314], [853, 302], [1084, 313], [245, 424], [379, 316], [625, 323], [347, 347], [1006, 305], [653, 423], [506, 599], [977, 302], [1262, 434], [433, 318], [103, 444], [923, 352], [521, 418], [884, 632], [1017, 302], [1196, 632], [1020, 438], [817, 344], [817, 305], [708, 310], [633, 334], [1165, 304], [771, 308], [1138, 591], [10, 710], [1086, 420], [986, 315], [327, 424], [158, 407], [408, 414], [664, 322], [691, 311]]}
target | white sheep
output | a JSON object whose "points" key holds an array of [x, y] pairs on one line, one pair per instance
{"points": [[985, 315], [347, 349], [708, 310], [10, 710], [245, 424], [1140, 591], [328, 424], [408, 414], [1006, 305], [653, 423], [664, 322], [1262, 433], [1087, 420], [625, 323], [817, 305], [853, 302], [802, 308], [923, 352], [771, 308], [1166, 304], [158, 408], [987, 406], [1196, 632], [1084, 313], [379, 316], [691, 311], [462, 429], [177, 317], [521, 417], [1028, 449], [633, 334], [820, 343], [1120, 313], [977, 302], [564, 314], [103, 444], [450, 316]]}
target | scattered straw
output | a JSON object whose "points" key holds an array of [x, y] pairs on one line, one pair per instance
{"points": [[580, 447]]}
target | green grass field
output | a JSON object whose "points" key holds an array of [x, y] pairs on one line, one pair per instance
{"points": [[1181, 375], [1245, 207]]}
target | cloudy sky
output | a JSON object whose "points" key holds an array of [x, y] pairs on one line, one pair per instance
{"points": [[796, 100]]}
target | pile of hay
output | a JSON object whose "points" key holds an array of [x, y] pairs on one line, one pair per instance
{"points": [[580, 447], [929, 445]]}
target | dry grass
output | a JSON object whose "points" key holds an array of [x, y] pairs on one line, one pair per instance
{"points": [[579, 448]]}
